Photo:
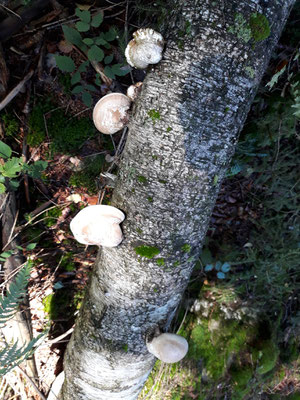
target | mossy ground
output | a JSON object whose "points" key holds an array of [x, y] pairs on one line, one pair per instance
{"points": [[88, 177], [66, 133]]}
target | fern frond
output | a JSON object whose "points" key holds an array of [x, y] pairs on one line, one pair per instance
{"points": [[9, 303], [12, 355]]}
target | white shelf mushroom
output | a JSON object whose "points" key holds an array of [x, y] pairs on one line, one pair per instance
{"points": [[98, 225], [168, 347], [134, 90], [146, 48], [110, 113]]}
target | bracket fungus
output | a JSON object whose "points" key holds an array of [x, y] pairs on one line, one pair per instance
{"points": [[146, 48], [110, 113], [133, 91], [168, 347], [98, 225]]}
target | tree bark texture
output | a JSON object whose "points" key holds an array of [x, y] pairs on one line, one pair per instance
{"points": [[182, 135]]}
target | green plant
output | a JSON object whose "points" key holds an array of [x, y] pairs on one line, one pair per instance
{"points": [[95, 48], [11, 355], [13, 167], [11, 124]]}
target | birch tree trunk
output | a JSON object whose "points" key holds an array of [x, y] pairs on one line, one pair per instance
{"points": [[182, 136]]}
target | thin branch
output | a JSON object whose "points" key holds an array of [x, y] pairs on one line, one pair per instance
{"points": [[36, 389], [15, 91]]}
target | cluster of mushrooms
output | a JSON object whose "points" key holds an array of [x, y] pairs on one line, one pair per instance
{"points": [[100, 224]]}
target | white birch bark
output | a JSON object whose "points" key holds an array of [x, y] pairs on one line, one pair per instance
{"points": [[169, 178]]}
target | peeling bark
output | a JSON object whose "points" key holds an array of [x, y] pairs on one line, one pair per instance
{"points": [[182, 136]]}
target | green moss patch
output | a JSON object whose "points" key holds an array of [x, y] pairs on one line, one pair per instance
{"points": [[217, 346], [87, 177], [142, 179], [267, 357], [67, 134], [260, 27], [160, 262], [154, 115], [186, 248], [147, 251]]}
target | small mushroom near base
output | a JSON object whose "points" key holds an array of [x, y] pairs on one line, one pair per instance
{"points": [[98, 225], [134, 90], [168, 347]]}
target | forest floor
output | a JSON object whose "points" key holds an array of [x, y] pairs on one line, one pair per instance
{"points": [[251, 254]]}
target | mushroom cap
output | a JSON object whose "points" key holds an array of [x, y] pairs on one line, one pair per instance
{"points": [[134, 90], [146, 48], [110, 113], [168, 347], [98, 225]]}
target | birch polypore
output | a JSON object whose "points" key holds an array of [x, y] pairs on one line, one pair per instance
{"points": [[110, 114], [146, 48], [168, 347], [134, 90], [98, 225]]}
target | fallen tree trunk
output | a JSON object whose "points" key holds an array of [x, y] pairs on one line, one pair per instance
{"points": [[181, 139]]}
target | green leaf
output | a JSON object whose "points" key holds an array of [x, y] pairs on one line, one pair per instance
{"points": [[83, 66], [13, 184], [206, 256], [72, 36], [35, 170], [31, 246], [111, 34], [100, 41], [218, 265], [97, 20], [87, 99], [78, 89], [208, 267], [108, 72], [108, 59], [75, 78], [2, 188], [88, 41], [275, 78], [6, 254], [17, 289], [119, 70], [84, 15], [95, 53], [12, 167], [5, 150], [82, 26], [65, 63], [98, 80], [107, 46], [91, 87], [225, 267]]}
